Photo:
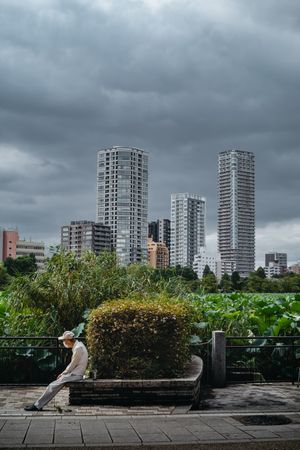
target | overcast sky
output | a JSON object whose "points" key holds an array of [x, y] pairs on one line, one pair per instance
{"points": [[183, 79]]}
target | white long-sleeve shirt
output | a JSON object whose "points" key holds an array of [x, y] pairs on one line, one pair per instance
{"points": [[79, 360]]}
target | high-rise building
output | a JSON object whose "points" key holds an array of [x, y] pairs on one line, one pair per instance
{"points": [[83, 235], [1, 244], [158, 254], [122, 200], [203, 259], [188, 228], [153, 230], [164, 231], [160, 231], [236, 212], [276, 257], [26, 248]]}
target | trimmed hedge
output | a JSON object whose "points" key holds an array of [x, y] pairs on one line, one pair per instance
{"points": [[139, 339]]}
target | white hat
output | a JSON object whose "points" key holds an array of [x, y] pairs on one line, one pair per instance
{"points": [[67, 335]]}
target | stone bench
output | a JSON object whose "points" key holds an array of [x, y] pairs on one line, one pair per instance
{"points": [[176, 391]]}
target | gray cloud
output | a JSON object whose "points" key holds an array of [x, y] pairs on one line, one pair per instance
{"points": [[183, 81]]}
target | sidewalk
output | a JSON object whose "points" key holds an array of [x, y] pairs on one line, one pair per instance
{"points": [[283, 397], [193, 431], [216, 426]]}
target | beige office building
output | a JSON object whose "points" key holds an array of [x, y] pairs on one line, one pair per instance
{"points": [[158, 254], [25, 248]]}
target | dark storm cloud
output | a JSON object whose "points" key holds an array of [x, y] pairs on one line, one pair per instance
{"points": [[183, 80]]}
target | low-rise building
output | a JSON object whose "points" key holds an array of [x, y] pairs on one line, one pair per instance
{"points": [[276, 257], [83, 235], [203, 259], [26, 248], [11, 246], [158, 254], [273, 268], [295, 268]]}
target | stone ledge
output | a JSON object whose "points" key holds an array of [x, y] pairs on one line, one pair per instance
{"points": [[185, 390]]}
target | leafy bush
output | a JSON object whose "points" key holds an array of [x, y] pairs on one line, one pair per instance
{"points": [[21, 265], [247, 314], [139, 339], [4, 277], [70, 285], [25, 321]]}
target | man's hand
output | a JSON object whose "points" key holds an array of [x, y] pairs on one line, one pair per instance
{"points": [[58, 376]]}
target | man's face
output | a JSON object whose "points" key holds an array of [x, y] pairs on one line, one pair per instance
{"points": [[68, 343]]}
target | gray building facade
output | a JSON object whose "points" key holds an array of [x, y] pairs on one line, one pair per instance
{"points": [[188, 228], [277, 257], [236, 211], [122, 200], [83, 235], [160, 231]]}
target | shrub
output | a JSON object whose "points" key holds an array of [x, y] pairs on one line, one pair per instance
{"points": [[139, 339], [70, 285]]}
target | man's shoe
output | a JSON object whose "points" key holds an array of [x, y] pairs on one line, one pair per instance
{"points": [[32, 408]]}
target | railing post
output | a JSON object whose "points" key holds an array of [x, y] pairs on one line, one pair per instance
{"points": [[218, 358]]}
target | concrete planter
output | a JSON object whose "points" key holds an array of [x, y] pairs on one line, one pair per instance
{"points": [[174, 391]]}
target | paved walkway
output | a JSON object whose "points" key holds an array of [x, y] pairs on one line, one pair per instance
{"points": [[13, 400], [252, 397], [214, 431], [236, 397], [216, 426]]}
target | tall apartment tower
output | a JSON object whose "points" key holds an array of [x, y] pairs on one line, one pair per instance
{"points": [[153, 230], [164, 231], [122, 200], [188, 228], [236, 211], [160, 231]]}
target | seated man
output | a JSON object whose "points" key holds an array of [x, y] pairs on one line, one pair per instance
{"points": [[73, 372]]}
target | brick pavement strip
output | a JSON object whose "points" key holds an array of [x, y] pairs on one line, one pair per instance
{"points": [[73, 432]]}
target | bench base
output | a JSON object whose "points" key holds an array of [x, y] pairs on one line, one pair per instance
{"points": [[175, 391]]}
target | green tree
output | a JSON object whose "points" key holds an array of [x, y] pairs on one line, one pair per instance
{"points": [[70, 285], [209, 283], [206, 271], [226, 283], [186, 272], [4, 277], [236, 281], [260, 273], [255, 283], [21, 265]]}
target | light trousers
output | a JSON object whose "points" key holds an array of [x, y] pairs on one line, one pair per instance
{"points": [[54, 387]]}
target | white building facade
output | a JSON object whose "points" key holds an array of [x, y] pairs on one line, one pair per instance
{"points": [[236, 212], [122, 200], [203, 259], [273, 268], [188, 228]]}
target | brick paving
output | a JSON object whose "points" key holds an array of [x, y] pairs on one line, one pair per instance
{"points": [[13, 400], [62, 426], [133, 431]]}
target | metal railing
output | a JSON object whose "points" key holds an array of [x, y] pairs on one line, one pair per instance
{"points": [[38, 360], [262, 358], [31, 359]]}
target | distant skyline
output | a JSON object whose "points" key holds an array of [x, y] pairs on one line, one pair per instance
{"points": [[182, 83]]}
